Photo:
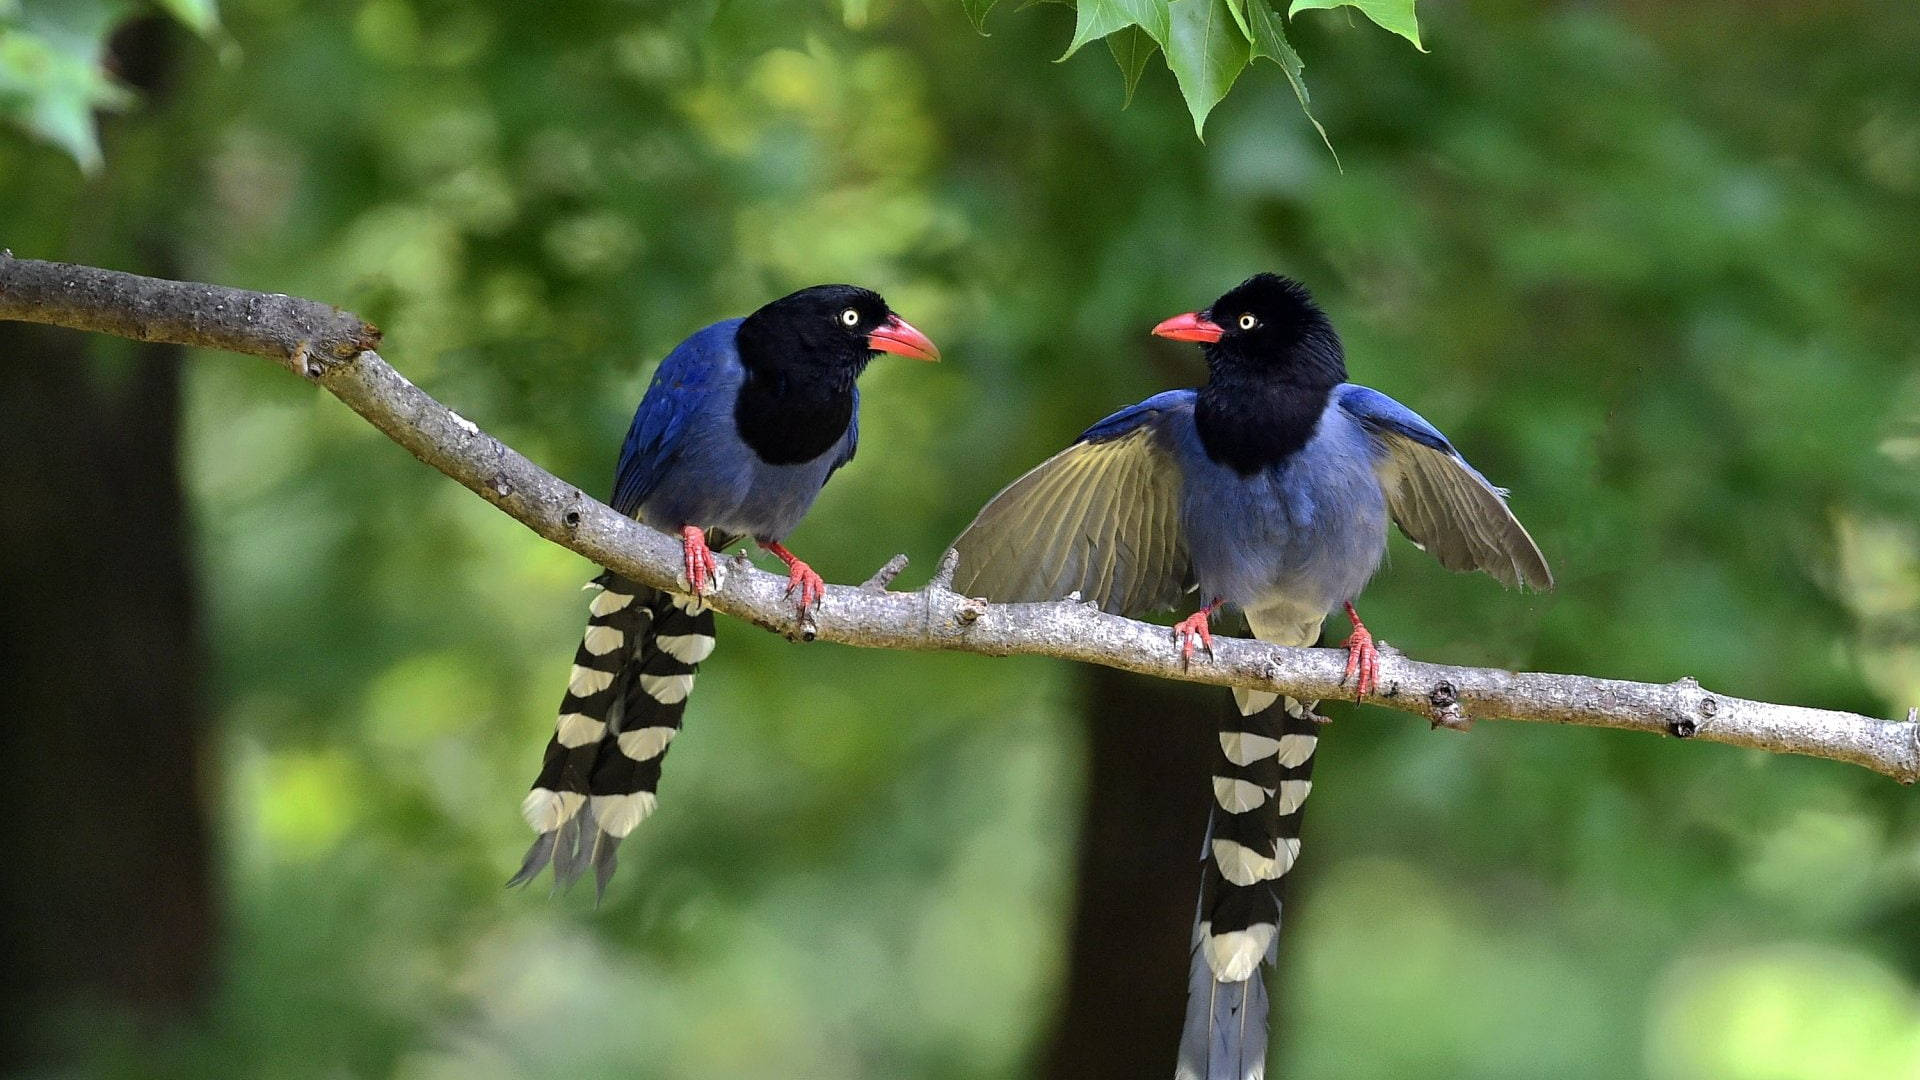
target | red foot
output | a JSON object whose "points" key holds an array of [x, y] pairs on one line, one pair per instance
{"points": [[800, 577], [1195, 625], [1363, 660], [701, 566]]}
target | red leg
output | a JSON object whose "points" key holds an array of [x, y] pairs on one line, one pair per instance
{"points": [[1195, 625], [799, 576], [701, 566], [1363, 660]]}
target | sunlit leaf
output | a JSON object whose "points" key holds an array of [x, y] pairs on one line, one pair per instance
{"points": [[1099, 18], [1207, 52], [1238, 9], [1131, 48], [52, 75], [1394, 15], [200, 16], [1270, 42]]}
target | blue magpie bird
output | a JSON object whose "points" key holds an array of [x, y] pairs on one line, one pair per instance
{"points": [[1268, 490], [740, 428]]}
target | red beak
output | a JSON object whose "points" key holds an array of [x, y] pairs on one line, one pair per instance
{"points": [[899, 336], [1189, 327]]}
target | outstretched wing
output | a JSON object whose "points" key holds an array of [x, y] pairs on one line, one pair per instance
{"points": [[1440, 501], [1100, 518], [695, 371]]}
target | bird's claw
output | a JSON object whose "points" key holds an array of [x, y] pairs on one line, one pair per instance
{"points": [[1363, 662], [1194, 625], [801, 578], [701, 570]]}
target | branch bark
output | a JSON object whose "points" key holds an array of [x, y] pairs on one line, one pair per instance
{"points": [[335, 349]]}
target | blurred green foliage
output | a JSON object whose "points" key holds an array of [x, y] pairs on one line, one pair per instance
{"points": [[1651, 265], [53, 67]]}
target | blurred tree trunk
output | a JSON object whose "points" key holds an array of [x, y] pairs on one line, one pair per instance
{"points": [[1139, 876], [108, 900]]}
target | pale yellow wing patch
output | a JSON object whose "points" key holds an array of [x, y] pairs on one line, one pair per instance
{"points": [[1099, 519]]}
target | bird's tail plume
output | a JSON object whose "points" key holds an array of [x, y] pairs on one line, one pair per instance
{"points": [[1261, 778], [623, 706]]}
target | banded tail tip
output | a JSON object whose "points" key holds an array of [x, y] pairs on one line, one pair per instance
{"points": [[1235, 956], [618, 815], [547, 810], [1224, 1036]]}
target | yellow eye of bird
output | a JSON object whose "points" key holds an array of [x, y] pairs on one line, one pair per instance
{"points": [[850, 317], [1248, 322]]}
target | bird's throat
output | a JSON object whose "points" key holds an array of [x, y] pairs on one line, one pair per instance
{"points": [[790, 416], [1254, 424]]}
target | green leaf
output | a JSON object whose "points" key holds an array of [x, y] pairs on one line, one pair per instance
{"points": [[1131, 49], [1099, 18], [52, 75], [1207, 52], [977, 13], [1394, 15], [200, 16], [1270, 42], [1238, 9]]}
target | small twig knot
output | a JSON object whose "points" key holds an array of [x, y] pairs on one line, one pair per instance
{"points": [[1444, 701]]}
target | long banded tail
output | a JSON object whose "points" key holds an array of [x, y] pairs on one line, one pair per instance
{"points": [[1261, 779], [624, 702]]}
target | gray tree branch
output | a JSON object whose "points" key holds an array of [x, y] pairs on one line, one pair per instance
{"points": [[335, 349]]}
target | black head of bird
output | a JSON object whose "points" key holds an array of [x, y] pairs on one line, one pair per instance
{"points": [[828, 329], [1266, 327]]}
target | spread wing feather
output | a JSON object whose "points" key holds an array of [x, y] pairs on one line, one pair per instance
{"points": [[1100, 518], [1442, 503]]}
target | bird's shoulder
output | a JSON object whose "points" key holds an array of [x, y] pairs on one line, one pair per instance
{"points": [[1375, 410], [707, 358], [1159, 411], [692, 381]]}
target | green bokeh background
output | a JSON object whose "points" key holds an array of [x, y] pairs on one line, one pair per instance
{"points": [[1653, 266]]}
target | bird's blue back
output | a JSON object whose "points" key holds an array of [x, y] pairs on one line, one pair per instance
{"points": [[1304, 534], [685, 463]]}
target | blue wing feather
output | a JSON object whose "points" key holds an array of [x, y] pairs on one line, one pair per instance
{"points": [[1442, 503], [1134, 416], [1375, 409], [683, 382]]}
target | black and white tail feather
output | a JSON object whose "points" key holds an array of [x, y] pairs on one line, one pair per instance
{"points": [[1262, 776], [625, 699]]}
